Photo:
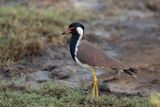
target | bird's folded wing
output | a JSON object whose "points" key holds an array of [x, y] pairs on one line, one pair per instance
{"points": [[93, 56]]}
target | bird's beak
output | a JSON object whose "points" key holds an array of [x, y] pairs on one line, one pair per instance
{"points": [[66, 32]]}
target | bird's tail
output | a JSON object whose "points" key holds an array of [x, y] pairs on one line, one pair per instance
{"points": [[130, 71]]}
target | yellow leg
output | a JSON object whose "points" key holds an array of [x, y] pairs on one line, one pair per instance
{"points": [[97, 91], [93, 90], [95, 84]]}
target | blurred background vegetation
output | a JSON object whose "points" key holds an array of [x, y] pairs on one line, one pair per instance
{"points": [[26, 31]]}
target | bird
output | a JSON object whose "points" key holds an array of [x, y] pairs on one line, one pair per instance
{"points": [[87, 55]]}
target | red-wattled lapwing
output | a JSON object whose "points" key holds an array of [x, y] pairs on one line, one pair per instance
{"points": [[87, 55]]}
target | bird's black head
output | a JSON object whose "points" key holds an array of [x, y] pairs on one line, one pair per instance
{"points": [[77, 31], [74, 27]]}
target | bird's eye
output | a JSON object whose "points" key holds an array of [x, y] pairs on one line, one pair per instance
{"points": [[72, 29]]}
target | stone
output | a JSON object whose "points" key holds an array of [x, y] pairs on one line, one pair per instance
{"points": [[61, 73], [103, 86], [39, 76]]}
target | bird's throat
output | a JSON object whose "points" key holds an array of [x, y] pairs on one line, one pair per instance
{"points": [[75, 40]]}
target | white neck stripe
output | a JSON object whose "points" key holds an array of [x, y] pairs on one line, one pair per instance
{"points": [[80, 32]]}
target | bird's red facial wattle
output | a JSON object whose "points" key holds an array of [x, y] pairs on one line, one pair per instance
{"points": [[70, 30]]}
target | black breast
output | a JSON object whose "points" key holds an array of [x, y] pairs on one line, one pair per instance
{"points": [[73, 42]]}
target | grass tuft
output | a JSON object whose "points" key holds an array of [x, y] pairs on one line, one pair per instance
{"points": [[24, 31], [55, 95], [27, 31]]}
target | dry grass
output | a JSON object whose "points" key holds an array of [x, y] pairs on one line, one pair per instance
{"points": [[27, 31], [24, 31]]}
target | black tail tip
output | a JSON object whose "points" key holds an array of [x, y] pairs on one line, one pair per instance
{"points": [[134, 70], [130, 71]]}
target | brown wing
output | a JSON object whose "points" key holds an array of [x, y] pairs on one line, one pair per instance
{"points": [[91, 55]]}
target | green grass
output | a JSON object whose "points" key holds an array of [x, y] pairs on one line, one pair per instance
{"points": [[54, 95], [27, 31]]}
